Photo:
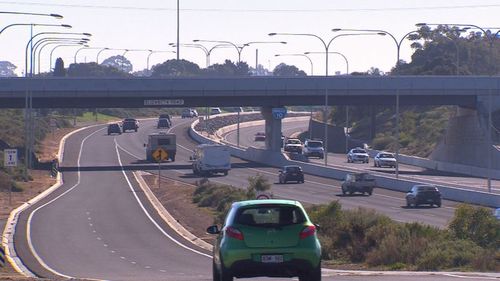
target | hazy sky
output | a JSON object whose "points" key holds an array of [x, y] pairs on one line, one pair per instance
{"points": [[151, 24]]}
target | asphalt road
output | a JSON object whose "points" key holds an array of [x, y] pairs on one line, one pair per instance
{"points": [[99, 225], [340, 161]]}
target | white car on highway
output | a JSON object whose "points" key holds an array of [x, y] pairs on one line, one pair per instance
{"points": [[384, 159], [313, 148], [357, 155]]}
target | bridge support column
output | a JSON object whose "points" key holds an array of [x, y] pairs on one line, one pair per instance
{"points": [[273, 130]]}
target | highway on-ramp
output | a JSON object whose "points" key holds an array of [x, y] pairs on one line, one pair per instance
{"points": [[99, 225]]}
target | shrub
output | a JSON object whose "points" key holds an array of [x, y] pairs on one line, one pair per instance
{"points": [[449, 254], [258, 183], [477, 224]]}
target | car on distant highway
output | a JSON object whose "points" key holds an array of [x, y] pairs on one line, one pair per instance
{"points": [[293, 145], [291, 173], [497, 213], [357, 154], [358, 182], [189, 113], [313, 148], [260, 136], [130, 124], [384, 159], [163, 123], [423, 194], [215, 111], [266, 238], [114, 129]]}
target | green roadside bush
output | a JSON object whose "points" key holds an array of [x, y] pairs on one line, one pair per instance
{"points": [[363, 236]]}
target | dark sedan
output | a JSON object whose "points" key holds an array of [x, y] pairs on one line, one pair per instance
{"points": [[291, 173]]}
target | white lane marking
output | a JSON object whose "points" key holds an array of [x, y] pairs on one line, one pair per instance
{"points": [[468, 277], [30, 218], [147, 213]]}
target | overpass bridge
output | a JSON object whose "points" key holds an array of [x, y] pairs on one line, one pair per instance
{"points": [[475, 95], [245, 91]]}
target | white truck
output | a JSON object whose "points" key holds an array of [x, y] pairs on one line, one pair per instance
{"points": [[166, 141], [209, 159]]}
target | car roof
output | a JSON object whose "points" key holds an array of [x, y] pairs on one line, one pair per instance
{"points": [[291, 166], [266, 202]]}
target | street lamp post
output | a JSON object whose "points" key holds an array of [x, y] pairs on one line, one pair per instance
{"points": [[152, 52], [207, 51], [106, 49], [327, 46], [239, 49], [51, 41], [347, 106], [76, 44], [85, 48], [299, 55], [57, 16], [35, 24]]}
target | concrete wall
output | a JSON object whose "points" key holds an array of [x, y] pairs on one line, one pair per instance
{"points": [[278, 160]]}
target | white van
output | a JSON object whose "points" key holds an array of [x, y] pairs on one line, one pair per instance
{"points": [[209, 159]]}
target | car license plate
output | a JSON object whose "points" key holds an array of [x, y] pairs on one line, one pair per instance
{"points": [[272, 258]]}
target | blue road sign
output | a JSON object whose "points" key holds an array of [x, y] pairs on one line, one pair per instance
{"points": [[279, 112]]}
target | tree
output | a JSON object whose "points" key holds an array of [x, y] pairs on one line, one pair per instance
{"points": [[94, 70], [228, 69], [59, 70], [175, 68], [283, 69], [7, 69], [119, 62]]}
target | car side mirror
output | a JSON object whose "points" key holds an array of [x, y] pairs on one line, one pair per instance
{"points": [[214, 229], [144, 145], [318, 227]]}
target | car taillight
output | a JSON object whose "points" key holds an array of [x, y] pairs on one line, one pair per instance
{"points": [[234, 233], [308, 231]]}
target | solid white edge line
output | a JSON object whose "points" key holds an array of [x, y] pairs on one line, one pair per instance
{"points": [[32, 214], [10, 226], [147, 213]]}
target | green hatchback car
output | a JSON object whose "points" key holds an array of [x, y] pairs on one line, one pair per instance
{"points": [[273, 238]]}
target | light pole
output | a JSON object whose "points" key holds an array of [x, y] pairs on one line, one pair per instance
{"points": [[42, 33], [491, 39], [76, 44], [85, 48], [106, 49], [51, 41], [239, 49], [347, 106], [207, 51], [35, 24], [152, 52], [57, 16], [398, 50], [327, 46], [299, 55]]}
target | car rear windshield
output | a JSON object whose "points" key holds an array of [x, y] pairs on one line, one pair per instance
{"points": [[163, 141], [294, 141], [386, 156], [292, 169], [358, 151], [270, 216], [314, 144]]}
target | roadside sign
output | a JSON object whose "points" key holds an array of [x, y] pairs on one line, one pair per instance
{"points": [[10, 157], [175, 102], [160, 155], [263, 195], [279, 112]]}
